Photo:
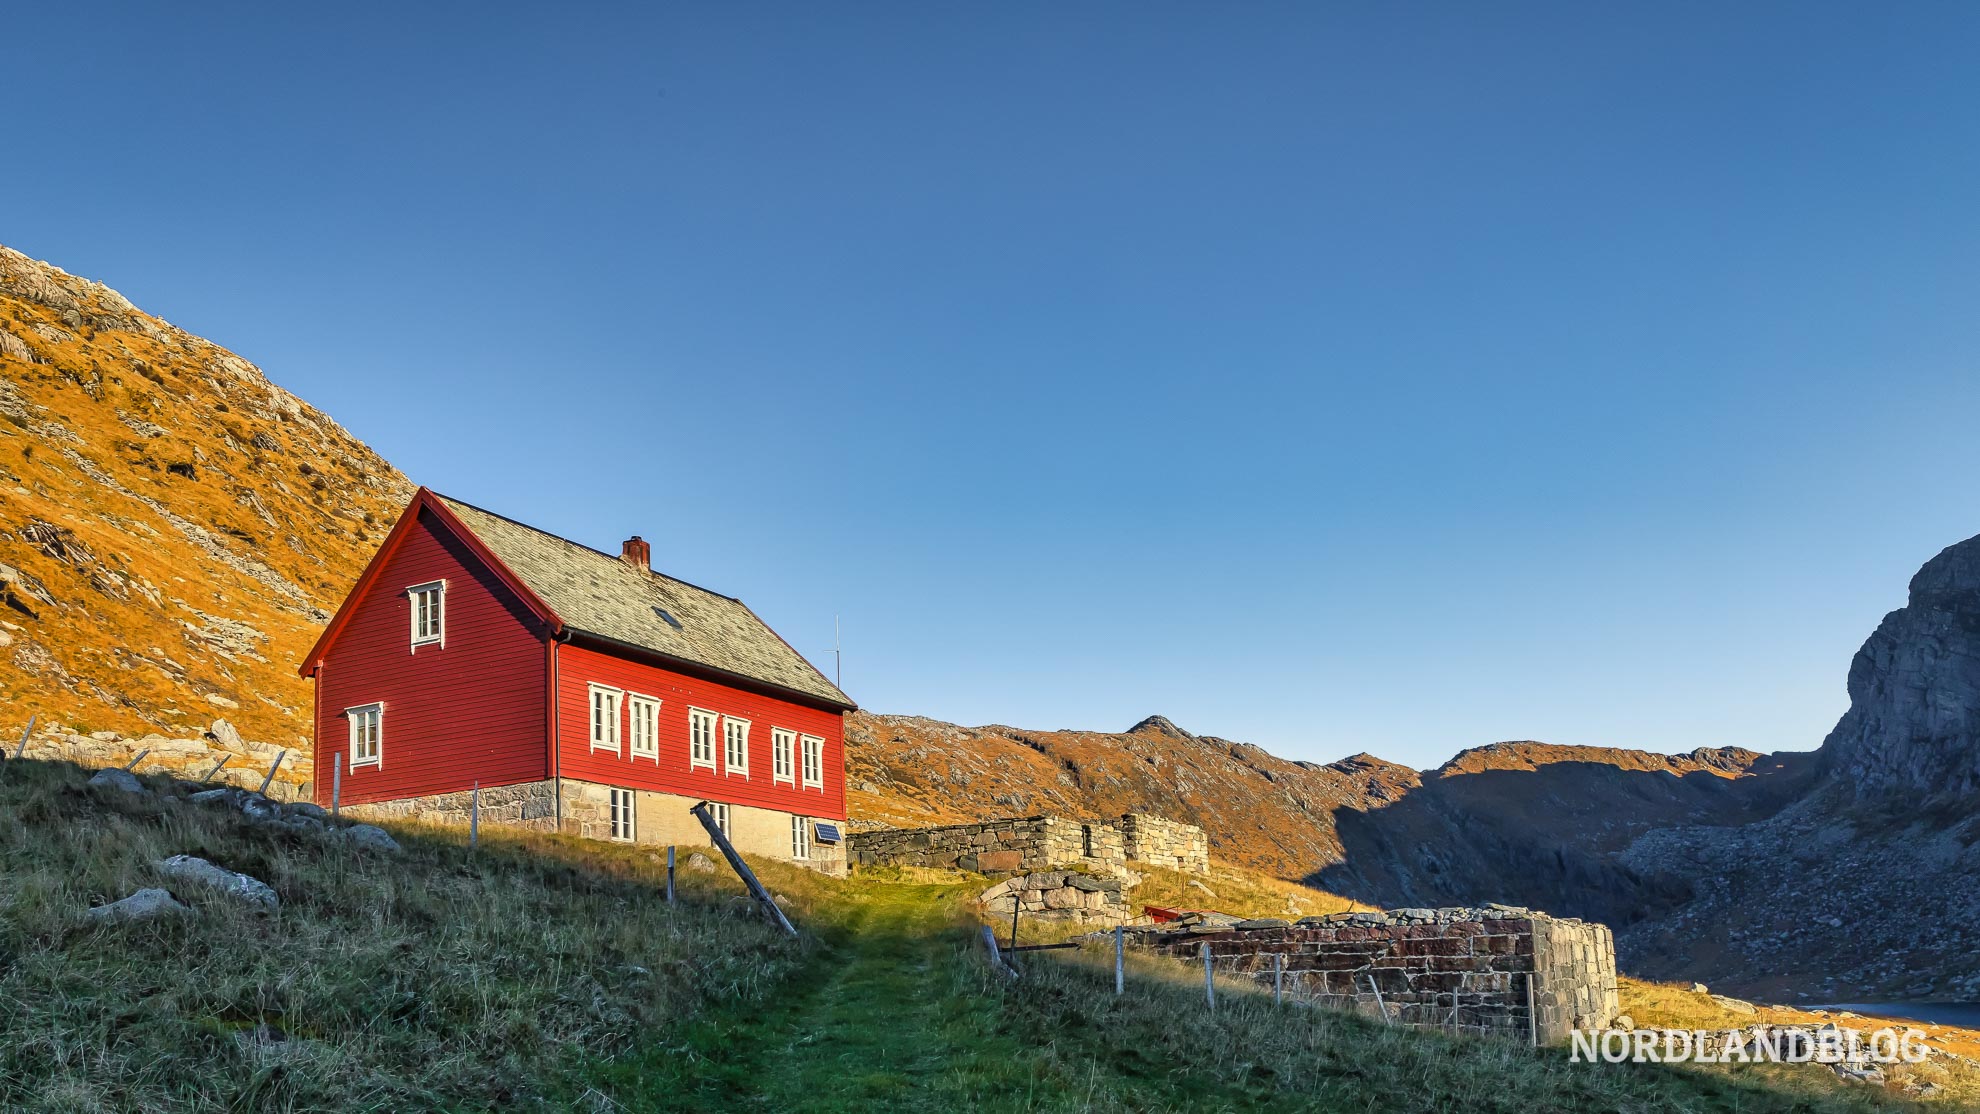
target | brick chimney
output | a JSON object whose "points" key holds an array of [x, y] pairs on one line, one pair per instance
{"points": [[635, 552]]}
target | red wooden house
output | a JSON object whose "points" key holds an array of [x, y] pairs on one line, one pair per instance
{"points": [[576, 690]]}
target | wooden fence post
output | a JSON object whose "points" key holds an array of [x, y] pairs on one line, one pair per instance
{"points": [[1278, 977], [474, 816], [272, 767], [996, 957], [1120, 962], [1532, 1019], [215, 769], [1209, 980], [670, 874], [336, 786], [138, 759], [1379, 1003], [22, 749]]}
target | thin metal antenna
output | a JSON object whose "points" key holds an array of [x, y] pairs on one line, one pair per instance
{"points": [[838, 682]]}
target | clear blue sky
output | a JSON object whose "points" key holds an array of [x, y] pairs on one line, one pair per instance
{"points": [[1332, 377]]}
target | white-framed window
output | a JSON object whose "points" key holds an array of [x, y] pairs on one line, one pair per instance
{"points": [[783, 742], [623, 804], [643, 723], [605, 718], [701, 738], [735, 746], [721, 812], [800, 838], [814, 762], [367, 734], [429, 613]]}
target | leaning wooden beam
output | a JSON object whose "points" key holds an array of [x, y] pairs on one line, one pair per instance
{"points": [[756, 890], [132, 764], [997, 963], [22, 749]]}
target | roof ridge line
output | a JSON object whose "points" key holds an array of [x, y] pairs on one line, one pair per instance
{"points": [[650, 571]]}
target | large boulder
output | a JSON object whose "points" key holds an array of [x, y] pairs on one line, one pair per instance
{"points": [[226, 735], [240, 887]]}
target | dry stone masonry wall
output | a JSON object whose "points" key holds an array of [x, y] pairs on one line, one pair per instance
{"points": [[1057, 895], [1496, 970], [1038, 843]]}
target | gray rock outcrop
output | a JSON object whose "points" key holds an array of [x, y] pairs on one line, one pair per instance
{"points": [[144, 905], [240, 887], [117, 779]]}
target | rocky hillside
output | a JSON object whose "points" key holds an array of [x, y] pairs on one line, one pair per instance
{"points": [[1360, 824], [174, 528], [1260, 811]]}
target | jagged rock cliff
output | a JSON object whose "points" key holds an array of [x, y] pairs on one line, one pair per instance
{"points": [[1913, 724]]}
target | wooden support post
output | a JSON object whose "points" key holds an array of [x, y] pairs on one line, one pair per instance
{"points": [[996, 958], [770, 908], [140, 757], [336, 786], [216, 768], [1379, 1003], [1016, 904], [1278, 978], [670, 874], [22, 749], [1120, 960], [1532, 1019], [1209, 979], [474, 816], [272, 767]]}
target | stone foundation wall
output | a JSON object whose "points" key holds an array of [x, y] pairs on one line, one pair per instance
{"points": [[663, 818], [1468, 970], [531, 804], [1037, 843]]}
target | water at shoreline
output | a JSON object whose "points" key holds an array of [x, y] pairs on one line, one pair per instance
{"points": [[1966, 1015]]}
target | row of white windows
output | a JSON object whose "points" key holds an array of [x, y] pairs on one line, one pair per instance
{"points": [[794, 758], [625, 822], [367, 737]]}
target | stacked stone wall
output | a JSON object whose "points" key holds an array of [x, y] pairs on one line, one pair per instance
{"points": [[1160, 842], [1035, 843], [1057, 895], [1465, 970], [531, 804]]}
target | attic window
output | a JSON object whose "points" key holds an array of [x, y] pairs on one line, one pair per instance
{"points": [[666, 618], [429, 613]]}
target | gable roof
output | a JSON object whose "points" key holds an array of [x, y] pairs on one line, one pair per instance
{"points": [[599, 594]]}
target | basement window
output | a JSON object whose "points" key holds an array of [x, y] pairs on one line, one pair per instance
{"points": [[721, 814], [367, 734], [429, 613], [605, 718], [814, 762], [800, 838], [622, 815]]}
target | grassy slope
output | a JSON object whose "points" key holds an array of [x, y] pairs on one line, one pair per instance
{"points": [[545, 973]]}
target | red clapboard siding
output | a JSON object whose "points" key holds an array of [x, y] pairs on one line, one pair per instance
{"points": [[470, 711], [578, 667]]}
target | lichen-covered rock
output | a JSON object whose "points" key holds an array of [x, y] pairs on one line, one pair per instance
{"points": [[371, 838], [144, 905], [240, 887], [118, 779]]}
